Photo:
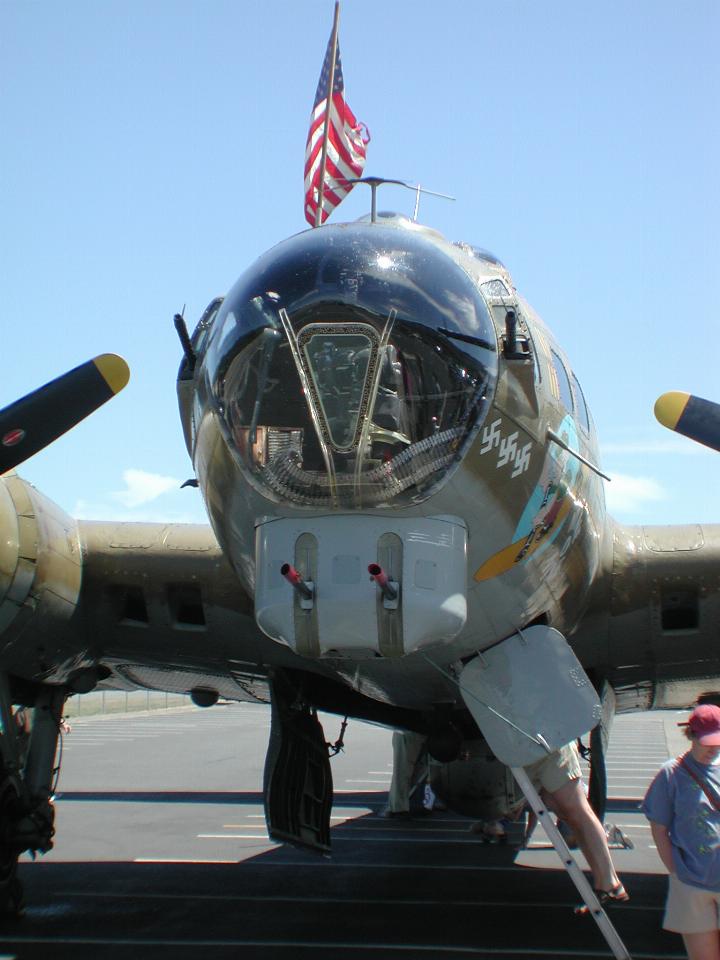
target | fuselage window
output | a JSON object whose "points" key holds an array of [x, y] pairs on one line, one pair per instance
{"points": [[202, 330], [580, 405], [563, 382], [535, 356], [495, 289]]}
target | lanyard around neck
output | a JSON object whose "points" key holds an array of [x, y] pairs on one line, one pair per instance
{"points": [[705, 788]]}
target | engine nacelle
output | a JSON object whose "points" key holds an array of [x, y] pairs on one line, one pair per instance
{"points": [[40, 573]]}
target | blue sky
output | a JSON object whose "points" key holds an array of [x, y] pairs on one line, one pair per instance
{"points": [[151, 151]]}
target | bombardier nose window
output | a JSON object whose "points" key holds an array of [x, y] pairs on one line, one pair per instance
{"points": [[338, 363], [352, 366]]}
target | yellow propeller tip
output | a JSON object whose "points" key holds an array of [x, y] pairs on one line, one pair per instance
{"points": [[669, 408], [114, 370]]}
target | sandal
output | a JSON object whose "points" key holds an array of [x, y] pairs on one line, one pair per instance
{"points": [[618, 894]]}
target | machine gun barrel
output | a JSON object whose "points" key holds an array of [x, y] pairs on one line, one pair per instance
{"points": [[381, 579], [295, 579]]}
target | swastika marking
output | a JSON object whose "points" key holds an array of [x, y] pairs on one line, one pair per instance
{"points": [[490, 436]]}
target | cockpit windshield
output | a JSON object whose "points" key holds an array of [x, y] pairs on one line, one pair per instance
{"points": [[351, 366]]}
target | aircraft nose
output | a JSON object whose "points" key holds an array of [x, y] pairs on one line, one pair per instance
{"points": [[352, 367]]}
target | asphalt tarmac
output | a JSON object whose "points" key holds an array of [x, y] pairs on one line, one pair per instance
{"points": [[161, 851]]}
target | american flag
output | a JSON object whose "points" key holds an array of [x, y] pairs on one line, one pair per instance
{"points": [[346, 148]]}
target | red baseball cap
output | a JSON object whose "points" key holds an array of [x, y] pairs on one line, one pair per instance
{"points": [[704, 724]]}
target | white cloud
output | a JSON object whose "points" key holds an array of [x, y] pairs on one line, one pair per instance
{"points": [[626, 494], [142, 487]]}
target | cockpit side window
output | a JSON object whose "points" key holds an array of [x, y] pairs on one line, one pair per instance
{"points": [[580, 405], [501, 301], [194, 353], [201, 332], [563, 382]]}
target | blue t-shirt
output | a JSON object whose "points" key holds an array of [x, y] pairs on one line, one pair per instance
{"points": [[676, 801]]}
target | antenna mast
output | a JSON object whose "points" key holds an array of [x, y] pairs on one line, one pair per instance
{"points": [[374, 183]]}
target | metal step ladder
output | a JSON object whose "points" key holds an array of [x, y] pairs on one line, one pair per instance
{"points": [[587, 894], [534, 681]]}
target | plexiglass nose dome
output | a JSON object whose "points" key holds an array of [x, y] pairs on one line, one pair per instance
{"points": [[351, 365]]}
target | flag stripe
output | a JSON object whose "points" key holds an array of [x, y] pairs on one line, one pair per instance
{"points": [[346, 148]]}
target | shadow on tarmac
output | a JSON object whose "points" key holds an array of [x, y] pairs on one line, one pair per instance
{"points": [[422, 889]]}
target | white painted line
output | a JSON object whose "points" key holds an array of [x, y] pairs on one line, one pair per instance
{"points": [[341, 791], [91, 742], [243, 826], [642, 763], [382, 829], [628, 780], [178, 860], [233, 836], [382, 782], [261, 826], [617, 764], [628, 746]]}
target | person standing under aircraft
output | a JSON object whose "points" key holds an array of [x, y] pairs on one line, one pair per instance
{"points": [[407, 750], [683, 807], [410, 774]]}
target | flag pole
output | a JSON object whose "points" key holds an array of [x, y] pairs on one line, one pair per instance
{"points": [[326, 130]]}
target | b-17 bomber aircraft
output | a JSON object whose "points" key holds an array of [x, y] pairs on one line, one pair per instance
{"points": [[400, 472]]}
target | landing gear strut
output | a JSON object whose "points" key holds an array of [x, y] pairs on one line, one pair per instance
{"points": [[27, 759]]}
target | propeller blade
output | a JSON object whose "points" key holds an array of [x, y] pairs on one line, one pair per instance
{"points": [[691, 416], [33, 422]]}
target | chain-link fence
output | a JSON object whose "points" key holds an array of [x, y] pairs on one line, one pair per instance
{"points": [[122, 701]]}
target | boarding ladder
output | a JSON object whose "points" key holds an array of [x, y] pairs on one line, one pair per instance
{"points": [[533, 681]]}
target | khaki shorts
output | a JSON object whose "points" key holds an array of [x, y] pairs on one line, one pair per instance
{"points": [[690, 909], [555, 770]]}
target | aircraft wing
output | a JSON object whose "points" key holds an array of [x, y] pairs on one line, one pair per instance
{"points": [[170, 612], [652, 620], [124, 605], [139, 606], [71, 591]]}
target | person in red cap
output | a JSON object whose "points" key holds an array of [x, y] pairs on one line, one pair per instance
{"points": [[683, 807]]}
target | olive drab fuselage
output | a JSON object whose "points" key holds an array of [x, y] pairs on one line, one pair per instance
{"points": [[362, 381]]}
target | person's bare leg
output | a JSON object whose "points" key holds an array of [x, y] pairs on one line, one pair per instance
{"points": [[572, 805], [702, 946]]}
